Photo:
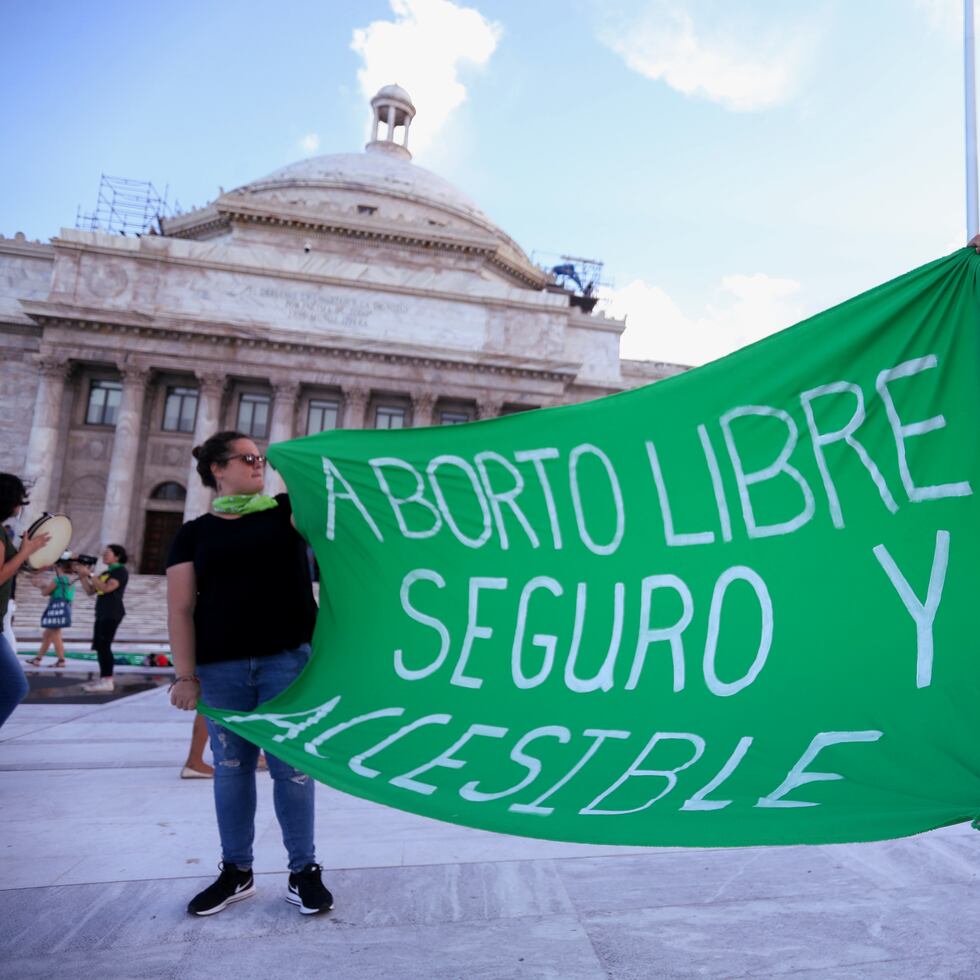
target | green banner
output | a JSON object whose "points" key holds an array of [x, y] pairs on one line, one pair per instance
{"points": [[734, 607]]}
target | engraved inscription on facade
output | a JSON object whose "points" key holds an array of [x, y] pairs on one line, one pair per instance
{"points": [[337, 311]]}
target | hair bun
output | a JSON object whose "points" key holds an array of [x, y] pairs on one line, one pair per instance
{"points": [[217, 449]]}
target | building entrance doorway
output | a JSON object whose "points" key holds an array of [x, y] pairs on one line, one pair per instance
{"points": [[158, 534]]}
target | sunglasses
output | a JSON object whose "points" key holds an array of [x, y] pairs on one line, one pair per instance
{"points": [[249, 459]]}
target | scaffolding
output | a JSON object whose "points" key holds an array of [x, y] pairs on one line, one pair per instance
{"points": [[126, 207], [580, 278]]}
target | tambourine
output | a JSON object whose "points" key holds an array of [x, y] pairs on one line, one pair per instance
{"points": [[59, 527]]}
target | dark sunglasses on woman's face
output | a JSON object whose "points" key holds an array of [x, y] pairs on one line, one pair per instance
{"points": [[249, 459]]}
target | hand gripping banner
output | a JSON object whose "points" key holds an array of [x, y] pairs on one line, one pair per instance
{"points": [[739, 606]]}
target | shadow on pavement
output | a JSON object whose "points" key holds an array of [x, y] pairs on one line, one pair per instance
{"points": [[64, 687]]}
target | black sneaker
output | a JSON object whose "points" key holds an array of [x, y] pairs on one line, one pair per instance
{"points": [[308, 892], [232, 885]]}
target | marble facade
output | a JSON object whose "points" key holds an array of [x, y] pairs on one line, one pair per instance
{"points": [[348, 290]]}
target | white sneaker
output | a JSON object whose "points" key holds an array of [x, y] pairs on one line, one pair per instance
{"points": [[100, 686]]}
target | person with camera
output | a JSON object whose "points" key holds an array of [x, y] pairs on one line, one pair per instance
{"points": [[239, 637], [108, 588], [60, 591], [13, 496]]}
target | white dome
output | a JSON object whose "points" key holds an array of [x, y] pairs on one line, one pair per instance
{"points": [[376, 195], [398, 191], [376, 173], [393, 92]]}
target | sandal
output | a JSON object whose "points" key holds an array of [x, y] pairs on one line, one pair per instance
{"points": [[188, 773], [58, 664], [35, 661]]}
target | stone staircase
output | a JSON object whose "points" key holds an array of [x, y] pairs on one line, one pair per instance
{"points": [[145, 623]]}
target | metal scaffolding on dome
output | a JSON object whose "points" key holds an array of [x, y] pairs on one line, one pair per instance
{"points": [[581, 278], [126, 207]]}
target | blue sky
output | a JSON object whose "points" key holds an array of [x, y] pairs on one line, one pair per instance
{"points": [[736, 166]]}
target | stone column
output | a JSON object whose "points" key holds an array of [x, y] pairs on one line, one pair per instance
{"points": [[488, 407], [210, 389], [356, 400], [422, 405], [391, 123], [45, 444], [282, 427], [121, 479]]}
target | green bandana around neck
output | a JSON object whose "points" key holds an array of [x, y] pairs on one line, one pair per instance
{"points": [[114, 564], [244, 503]]}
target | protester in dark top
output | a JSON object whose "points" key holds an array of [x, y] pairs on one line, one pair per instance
{"points": [[241, 616], [13, 496], [108, 588]]}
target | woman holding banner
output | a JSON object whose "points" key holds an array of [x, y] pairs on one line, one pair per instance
{"points": [[240, 638]]}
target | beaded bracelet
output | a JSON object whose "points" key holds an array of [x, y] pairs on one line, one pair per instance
{"points": [[186, 677]]}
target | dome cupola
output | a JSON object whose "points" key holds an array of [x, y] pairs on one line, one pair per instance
{"points": [[393, 109]]}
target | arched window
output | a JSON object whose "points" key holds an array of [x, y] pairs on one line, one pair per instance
{"points": [[169, 491]]}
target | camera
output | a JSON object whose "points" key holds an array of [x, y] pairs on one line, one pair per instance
{"points": [[89, 560]]}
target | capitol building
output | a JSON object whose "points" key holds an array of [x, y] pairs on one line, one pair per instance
{"points": [[352, 290]]}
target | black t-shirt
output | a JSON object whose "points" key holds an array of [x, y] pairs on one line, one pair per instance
{"points": [[254, 596], [110, 605]]}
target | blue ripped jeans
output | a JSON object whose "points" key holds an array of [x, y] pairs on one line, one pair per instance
{"points": [[13, 683], [242, 685]]}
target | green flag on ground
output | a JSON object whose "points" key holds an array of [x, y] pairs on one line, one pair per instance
{"points": [[735, 607]]}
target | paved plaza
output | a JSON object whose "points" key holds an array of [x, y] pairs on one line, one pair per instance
{"points": [[103, 845]]}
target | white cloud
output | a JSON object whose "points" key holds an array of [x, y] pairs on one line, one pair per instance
{"points": [[658, 329], [422, 50], [737, 66], [310, 142]]}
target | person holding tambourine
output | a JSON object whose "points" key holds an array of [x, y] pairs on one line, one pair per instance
{"points": [[60, 591], [108, 587], [13, 496]]}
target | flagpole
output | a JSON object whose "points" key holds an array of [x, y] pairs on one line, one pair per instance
{"points": [[969, 77]]}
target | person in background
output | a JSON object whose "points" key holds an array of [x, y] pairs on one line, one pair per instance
{"points": [[12, 527], [108, 588], [195, 767], [13, 496], [60, 591], [241, 616]]}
